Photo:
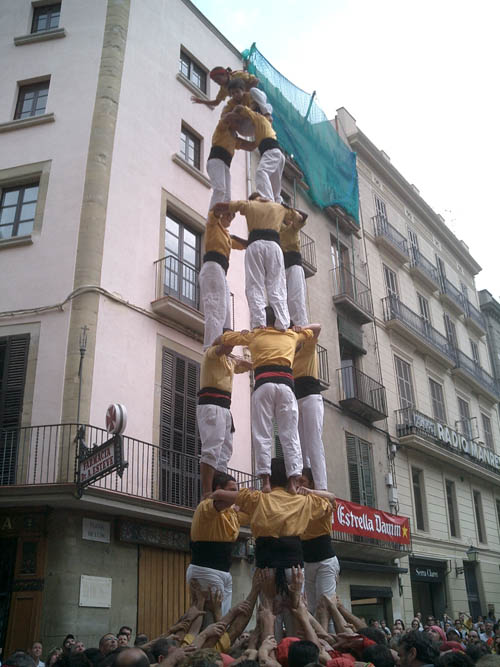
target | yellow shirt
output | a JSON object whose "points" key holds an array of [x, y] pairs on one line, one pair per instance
{"points": [[217, 370], [269, 346], [237, 74], [318, 527], [225, 137], [209, 525], [218, 238], [279, 513], [245, 101], [290, 236], [223, 644], [264, 214], [262, 126], [305, 363]]}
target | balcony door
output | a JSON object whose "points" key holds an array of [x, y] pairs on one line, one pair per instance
{"points": [[182, 261], [343, 280]]}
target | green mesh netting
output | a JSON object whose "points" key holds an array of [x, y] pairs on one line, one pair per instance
{"points": [[305, 133]]}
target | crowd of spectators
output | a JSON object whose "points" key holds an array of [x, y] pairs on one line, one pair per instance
{"points": [[286, 634]]}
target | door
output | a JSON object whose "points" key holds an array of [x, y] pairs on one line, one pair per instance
{"points": [[472, 589], [163, 595], [8, 549]]}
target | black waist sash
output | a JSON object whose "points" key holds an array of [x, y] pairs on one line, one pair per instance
{"points": [[217, 555], [292, 258], [263, 235], [306, 385], [267, 145], [279, 553], [214, 396], [214, 256], [219, 153], [276, 374], [319, 548]]}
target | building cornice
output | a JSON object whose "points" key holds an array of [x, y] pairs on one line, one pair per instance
{"points": [[211, 27], [367, 149], [489, 304]]}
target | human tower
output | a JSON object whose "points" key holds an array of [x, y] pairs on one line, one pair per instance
{"points": [[291, 516]]}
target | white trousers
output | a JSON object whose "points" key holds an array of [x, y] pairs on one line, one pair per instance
{"points": [[311, 411], [268, 175], [320, 579], [214, 427], [210, 578], [265, 282], [276, 401], [296, 294], [220, 177], [215, 301]]}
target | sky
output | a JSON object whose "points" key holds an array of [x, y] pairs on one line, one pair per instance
{"points": [[422, 80]]}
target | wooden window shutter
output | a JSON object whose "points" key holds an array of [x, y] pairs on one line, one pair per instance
{"points": [[365, 460], [13, 363], [352, 465]]}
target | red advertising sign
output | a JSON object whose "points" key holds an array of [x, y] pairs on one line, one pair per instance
{"points": [[368, 522]]}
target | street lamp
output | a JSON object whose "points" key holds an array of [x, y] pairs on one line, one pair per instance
{"points": [[472, 554], [80, 434]]}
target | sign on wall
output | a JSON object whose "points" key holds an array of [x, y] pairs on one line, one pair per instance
{"points": [[369, 522], [95, 591], [96, 530]]}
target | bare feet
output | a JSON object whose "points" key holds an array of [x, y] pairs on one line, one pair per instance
{"points": [[266, 483], [292, 485]]}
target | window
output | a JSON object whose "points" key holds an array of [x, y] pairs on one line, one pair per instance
{"points": [[442, 271], [475, 352], [417, 477], [380, 209], [425, 311], [497, 502], [488, 434], [339, 253], [46, 18], [451, 501], [413, 239], [438, 407], [478, 511], [465, 420], [179, 439], [405, 386], [32, 100], [13, 364], [360, 466], [190, 148], [451, 331], [182, 261], [391, 282], [193, 72], [17, 210]]}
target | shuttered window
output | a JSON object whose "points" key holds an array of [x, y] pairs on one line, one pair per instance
{"points": [[13, 363], [360, 466], [380, 208], [179, 439], [451, 330], [405, 385], [417, 477], [437, 396]]}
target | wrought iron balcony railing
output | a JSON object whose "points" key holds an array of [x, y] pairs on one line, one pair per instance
{"points": [[48, 455], [323, 369], [352, 295], [422, 264], [477, 373], [395, 310], [361, 394], [177, 279], [383, 228], [454, 295], [475, 315], [308, 252]]}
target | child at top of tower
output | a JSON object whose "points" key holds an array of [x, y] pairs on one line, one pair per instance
{"points": [[222, 76]]}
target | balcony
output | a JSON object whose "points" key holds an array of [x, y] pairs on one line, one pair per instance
{"points": [[177, 293], [472, 373], [474, 319], [351, 334], [343, 220], [351, 296], [361, 395], [323, 369], [308, 252], [389, 238], [47, 455], [451, 296], [423, 270], [413, 327]]}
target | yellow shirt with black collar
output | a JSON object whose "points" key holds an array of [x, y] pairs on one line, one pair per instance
{"points": [[264, 215], [290, 236], [218, 238], [279, 513], [262, 126], [269, 347], [305, 363], [217, 370], [236, 74]]}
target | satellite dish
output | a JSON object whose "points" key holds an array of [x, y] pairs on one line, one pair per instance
{"points": [[116, 418]]}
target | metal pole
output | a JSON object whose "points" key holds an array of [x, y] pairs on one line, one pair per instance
{"points": [[310, 104]]}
